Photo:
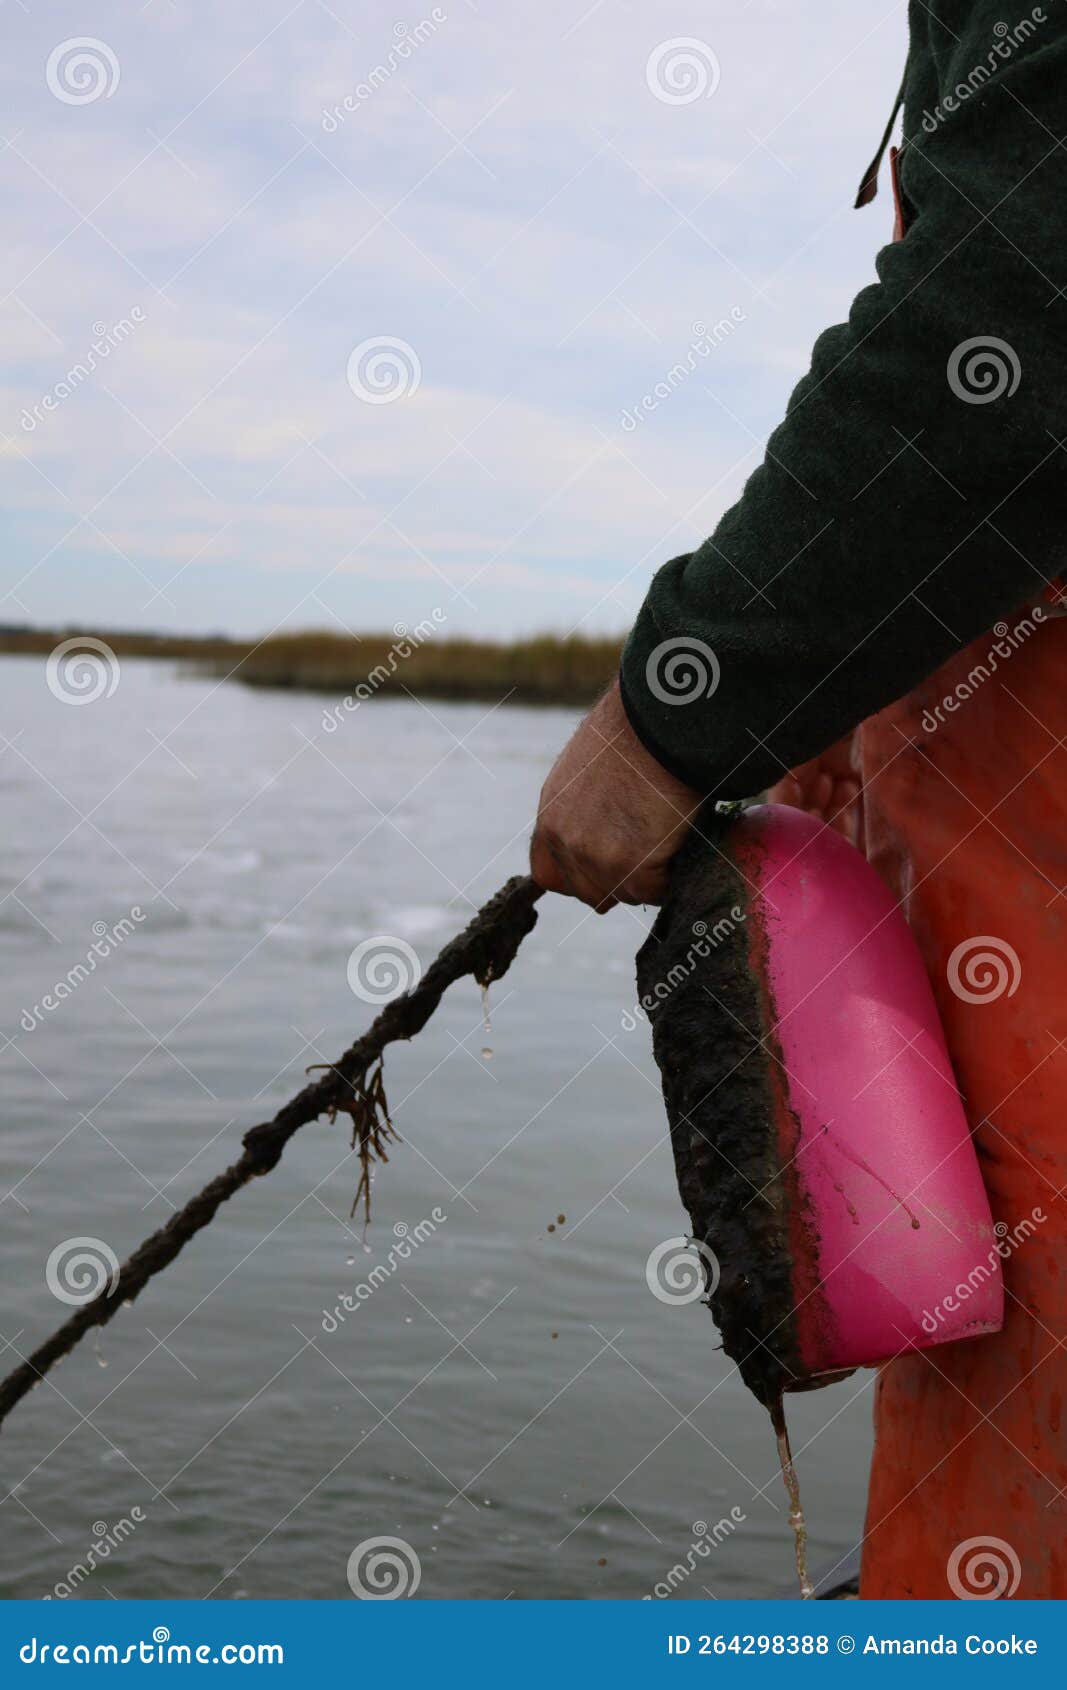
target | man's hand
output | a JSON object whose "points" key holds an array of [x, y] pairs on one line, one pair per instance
{"points": [[610, 818]]}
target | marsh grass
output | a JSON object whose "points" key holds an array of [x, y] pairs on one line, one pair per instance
{"points": [[544, 669], [541, 670]]}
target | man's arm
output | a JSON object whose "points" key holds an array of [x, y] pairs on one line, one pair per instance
{"points": [[916, 491]]}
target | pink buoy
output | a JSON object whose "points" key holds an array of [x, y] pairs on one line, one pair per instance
{"points": [[891, 1241]]}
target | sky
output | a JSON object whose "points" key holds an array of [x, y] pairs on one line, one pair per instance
{"points": [[370, 314]]}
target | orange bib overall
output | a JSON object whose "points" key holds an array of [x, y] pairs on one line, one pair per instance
{"points": [[965, 816]]}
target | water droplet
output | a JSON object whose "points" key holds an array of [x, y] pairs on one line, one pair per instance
{"points": [[487, 1053], [101, 1361], [350, 1261]]}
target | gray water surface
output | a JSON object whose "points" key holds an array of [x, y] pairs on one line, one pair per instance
{"points": [[511, 1401]]}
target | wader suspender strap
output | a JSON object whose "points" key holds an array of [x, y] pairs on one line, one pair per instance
{"points": [[869, 185]]}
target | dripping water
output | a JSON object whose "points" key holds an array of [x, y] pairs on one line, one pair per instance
{"points": [[487, 1025], [796, 1513]]}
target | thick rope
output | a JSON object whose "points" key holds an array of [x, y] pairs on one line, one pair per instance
{"points": [[486, 948]]}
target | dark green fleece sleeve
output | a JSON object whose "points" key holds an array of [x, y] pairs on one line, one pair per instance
{"points": [[917, 489]]}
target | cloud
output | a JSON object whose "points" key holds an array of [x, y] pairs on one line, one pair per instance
{"points": [[509, 200]]}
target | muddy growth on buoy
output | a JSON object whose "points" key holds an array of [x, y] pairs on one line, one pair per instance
{"points": [[703, 983], [706, 1004]]}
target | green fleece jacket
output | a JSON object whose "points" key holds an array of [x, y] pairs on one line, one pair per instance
{"points": [[917, 489]]}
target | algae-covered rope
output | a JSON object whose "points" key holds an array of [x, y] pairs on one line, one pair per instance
{"points": [[353, 1085]]}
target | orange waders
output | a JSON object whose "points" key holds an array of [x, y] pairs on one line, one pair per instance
{"points": [[965, 811]]}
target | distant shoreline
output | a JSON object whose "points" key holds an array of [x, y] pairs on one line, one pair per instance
{"points": [[542, 669]]}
